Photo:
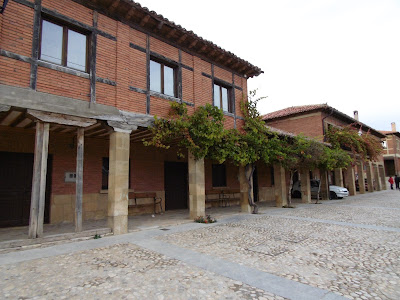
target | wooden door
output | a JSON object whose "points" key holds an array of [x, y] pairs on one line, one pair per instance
{"points": [[16, 171], [176, 185]]}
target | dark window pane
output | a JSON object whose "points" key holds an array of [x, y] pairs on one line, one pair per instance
{"points": [[217, 98], [52, 38], [76, 51], [169, 81], [219, 175], [224, 99], [155, 76]]}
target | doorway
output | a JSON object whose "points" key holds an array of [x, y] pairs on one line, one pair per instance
{"points": [[176, 185], [16, 186]]}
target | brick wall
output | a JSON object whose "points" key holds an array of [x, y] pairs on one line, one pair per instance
{"points": [[309, 125], [116, 60]]}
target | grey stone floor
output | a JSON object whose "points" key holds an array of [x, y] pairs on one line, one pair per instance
{"points": [[336, 250]]}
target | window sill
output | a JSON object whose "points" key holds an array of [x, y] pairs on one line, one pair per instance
{"points": [[229, 114], [164, 96], [67, 70]]}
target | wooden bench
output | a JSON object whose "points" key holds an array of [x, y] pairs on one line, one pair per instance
{"points": [[135, 196], [224, 196]]}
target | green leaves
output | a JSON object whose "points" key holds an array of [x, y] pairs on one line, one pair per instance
{"points": [[204, 135], [197, 133], [348, 138]]}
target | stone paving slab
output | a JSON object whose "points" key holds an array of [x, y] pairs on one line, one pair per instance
{"points": [[121, 271], [359, 263], [279, 254]]}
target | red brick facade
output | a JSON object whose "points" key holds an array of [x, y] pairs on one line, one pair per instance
{"points": [[121, 81]]}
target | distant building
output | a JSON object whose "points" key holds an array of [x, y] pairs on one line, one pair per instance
{"points": [[314, 121], [391, 154]]}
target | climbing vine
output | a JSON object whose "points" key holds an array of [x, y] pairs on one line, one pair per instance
{"points": [[203, 134], [348, 138]]}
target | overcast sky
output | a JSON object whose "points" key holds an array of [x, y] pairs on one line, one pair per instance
{"points": [[342, 52]]}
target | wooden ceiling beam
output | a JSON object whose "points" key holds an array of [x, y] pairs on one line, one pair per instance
{"points": [[192, 44], [159, 27], [10, 117], [130, 13], [182, 38], [113, 6], [24, 123], [18, 120], [203, 49], [144, 20], [171, 33]]}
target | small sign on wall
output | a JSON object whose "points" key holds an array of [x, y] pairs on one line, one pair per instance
{"points": [[70, 177]]}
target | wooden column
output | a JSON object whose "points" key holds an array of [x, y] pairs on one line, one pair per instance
{"points": [[39, 180], [361, 176], [370, 177], [350, 180], [79, 179], [280, 186], [305, 186], [197, 190]]}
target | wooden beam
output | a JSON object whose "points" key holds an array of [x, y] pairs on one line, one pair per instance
{"points": [[159, 26], [193, 43], [130, 13], [96, 132], [144, 20], [171, 33], [18, 120], [113, 6], [24, 123], [43, 173], [220, 57], [182, 38], [79, 179], [91, 127], [39, 180], [68, 129], [202, 49], [93, 60], [62, 119], [11, 117]]}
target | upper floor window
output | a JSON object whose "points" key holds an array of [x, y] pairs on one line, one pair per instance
{"points": [[63, 46], [222, 98], [162, 78]]}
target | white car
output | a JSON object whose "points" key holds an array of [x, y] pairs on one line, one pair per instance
{"points": [[335, 192]]}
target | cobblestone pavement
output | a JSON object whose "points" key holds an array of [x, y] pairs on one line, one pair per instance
{"points": [[342, 248]]}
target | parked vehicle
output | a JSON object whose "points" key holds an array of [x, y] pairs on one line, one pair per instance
{"points": [[335, 192]]}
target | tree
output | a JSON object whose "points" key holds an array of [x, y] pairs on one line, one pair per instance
{"points": [[253, 143]]}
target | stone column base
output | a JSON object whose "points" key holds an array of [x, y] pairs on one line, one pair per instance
{"points": [[119, 224]]}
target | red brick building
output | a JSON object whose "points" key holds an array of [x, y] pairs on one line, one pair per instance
{"points": [[314, 121], [391, 153], [80, 82]]}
